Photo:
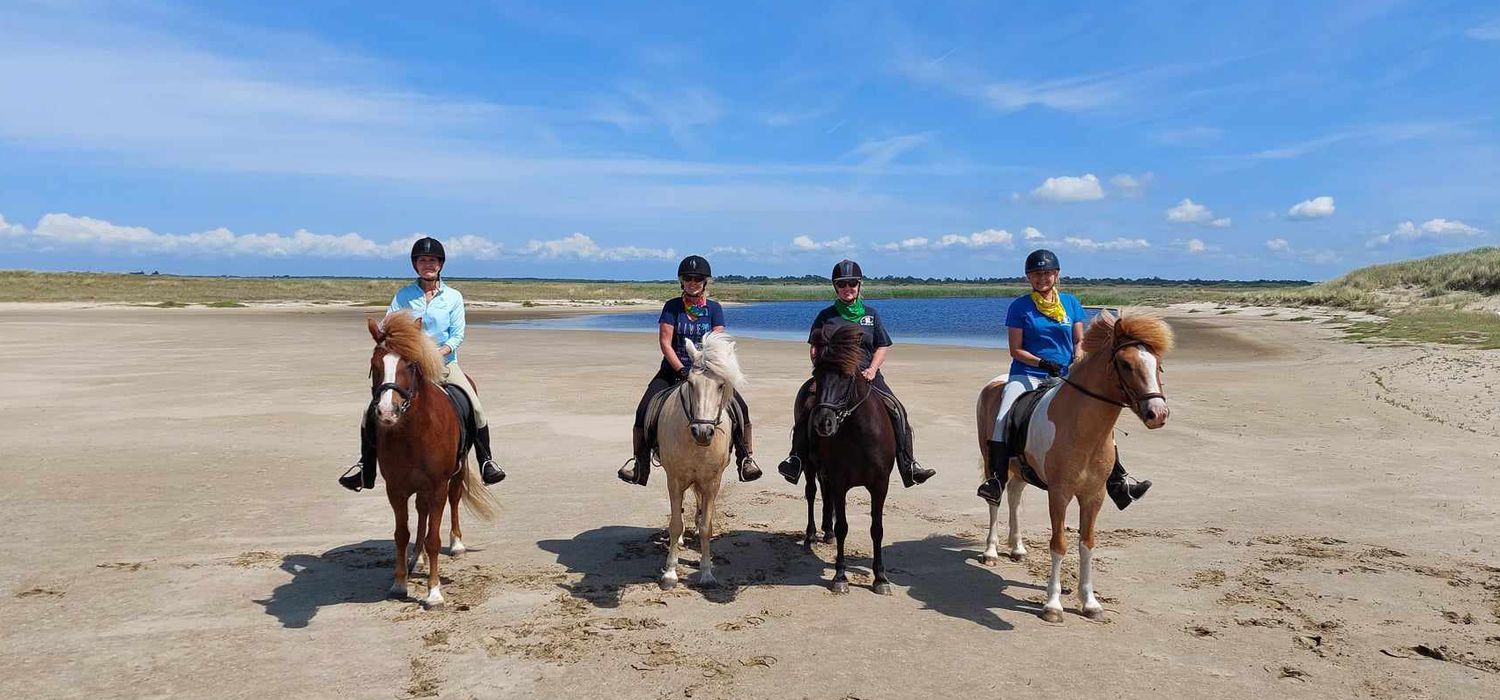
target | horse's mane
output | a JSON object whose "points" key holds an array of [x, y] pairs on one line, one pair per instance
{"points": [[840, 349], [1107, 331], [719, 360], [401, 333]]}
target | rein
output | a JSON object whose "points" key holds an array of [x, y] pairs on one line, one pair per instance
{"points": [[687, 409], [839, 414], [1135, 401]]}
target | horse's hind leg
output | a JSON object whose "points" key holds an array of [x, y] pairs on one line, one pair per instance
{"points": [[674, 532], [991, 554], [1057, 506], [840, 529], [877, 531], [402, 535], [708, 495], [419, 553], [432, 545], [456, 546], [828, 507], [811, 491], [1017, 548], [1088, 514]]}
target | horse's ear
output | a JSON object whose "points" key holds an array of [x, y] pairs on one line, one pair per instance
{"points": [[1099, 331], [416, 324], [693, 352], [374, 328]]}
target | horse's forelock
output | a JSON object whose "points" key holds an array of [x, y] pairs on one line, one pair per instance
{"points": [[403, 335], [840, 350], [1151, 330], [719, 359]]}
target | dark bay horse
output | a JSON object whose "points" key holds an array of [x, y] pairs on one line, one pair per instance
{"points": [[1071, 443], [852, 442], [417, 440]]}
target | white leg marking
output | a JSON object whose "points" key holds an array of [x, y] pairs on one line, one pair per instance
{"points": [[1013, 537], [1054, 584], [1086, 579], [387, 402], [435, 595], [456, 547], [992, 540]]}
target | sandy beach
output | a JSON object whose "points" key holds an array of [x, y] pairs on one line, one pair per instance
{"points": [[1323, 523]]}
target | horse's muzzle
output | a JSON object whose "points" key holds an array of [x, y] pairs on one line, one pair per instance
{"points": [[703, 434], [1154, 413], [825, 422]]}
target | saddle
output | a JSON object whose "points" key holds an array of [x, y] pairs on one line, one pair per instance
{"points": [[464, 407], [654, 408], [1018, 424]]}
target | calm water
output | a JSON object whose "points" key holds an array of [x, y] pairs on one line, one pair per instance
{"points": [[966, 321]]}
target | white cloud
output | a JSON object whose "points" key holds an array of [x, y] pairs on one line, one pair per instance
{"points": [[1069, 189], [876, 154], [1131, 185], [1315, 208], [1278, 245], [1189, 212], [806, 244], [1489, 31], [909, 244], [1195, 245], [582, 247], [988, 238], [1032, 234], [1431, 228], [1072, 94], [11, 230], [731, 250], [1087, 244]]}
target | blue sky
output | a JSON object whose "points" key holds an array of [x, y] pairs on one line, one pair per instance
{"points": [[1216, 140]]}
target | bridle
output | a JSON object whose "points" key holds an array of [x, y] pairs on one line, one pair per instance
{"points": [[840, 413], [688, 409], [406, 396], [1133, 401]]}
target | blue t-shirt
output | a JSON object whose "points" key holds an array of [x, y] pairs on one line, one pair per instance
{"points": [[1042, 336], [685, 327]]}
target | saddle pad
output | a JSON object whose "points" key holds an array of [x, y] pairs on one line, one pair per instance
{"points": [[465, 409], [1018, 426], [653, 412]]}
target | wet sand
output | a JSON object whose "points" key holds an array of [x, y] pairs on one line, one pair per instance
{"points": [[1322, 523]]}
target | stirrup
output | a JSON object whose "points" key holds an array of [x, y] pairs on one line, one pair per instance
{"points": [[992, 490], [791, 469], [491, 467], [748, 470], [627, 476], [354, 478]]}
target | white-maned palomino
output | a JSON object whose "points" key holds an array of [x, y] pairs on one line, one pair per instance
{"points": [[1071, 444], [693, 439]]}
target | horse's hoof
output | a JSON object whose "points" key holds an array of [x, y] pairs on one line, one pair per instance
{"points": [[828, 538], [668, 584], [1016, 556], [1051, 615], [883, 588], [397, 590], [989, 560], [707, 581], [840, 587], [1094, 613], [457, 549]]}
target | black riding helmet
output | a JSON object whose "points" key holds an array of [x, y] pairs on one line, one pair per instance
{"points": [[847, 270], [694, 265], [428, 246], [1042, 260]]}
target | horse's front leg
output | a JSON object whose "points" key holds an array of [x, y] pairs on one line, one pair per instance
{"points": [[674, 532], [455, 494], [810, 489], [402, 535], [1017, 548], [841, 529], [708, 495], [991, 554], [1057, 506], [432, 545], [419, 553], [1088, 514], [828, 508], [877, 531]]}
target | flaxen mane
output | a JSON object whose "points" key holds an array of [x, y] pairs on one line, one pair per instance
{"points": [[401, 333], [718, 359], [1108, 331], [840, 350]]}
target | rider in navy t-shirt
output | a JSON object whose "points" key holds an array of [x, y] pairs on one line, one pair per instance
{"points": [[687, 317]]}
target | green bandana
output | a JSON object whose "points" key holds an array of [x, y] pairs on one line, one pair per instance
{"points": [[853, 311]]}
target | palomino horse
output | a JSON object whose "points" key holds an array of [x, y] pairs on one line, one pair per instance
{"points": [[693, 443], [853, 442], [417, 440], [1071, 444]]}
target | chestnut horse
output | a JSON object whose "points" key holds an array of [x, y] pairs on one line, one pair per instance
{"points": [[693, 443], [417, 440], [1070, 442], [853, 443]]}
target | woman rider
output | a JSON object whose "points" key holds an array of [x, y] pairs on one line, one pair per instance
{"points": [[1045, 335], [441, 309], [688, 317], [850, 309]]}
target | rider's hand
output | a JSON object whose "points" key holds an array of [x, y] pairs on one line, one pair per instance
{"points": [[869, 374], [445, 350], [1051, 368], [682, 372]]}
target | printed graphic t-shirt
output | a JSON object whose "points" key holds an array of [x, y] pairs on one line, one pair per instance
{"points": [[685, 327]]}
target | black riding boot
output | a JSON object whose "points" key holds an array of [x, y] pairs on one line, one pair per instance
{"points": [[791, 467], [906, 462], [997, 465], [637, 469], [1122, 493], [362, 474], [488, 469], [748, 469]]}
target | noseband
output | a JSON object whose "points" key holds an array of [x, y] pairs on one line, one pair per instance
{"points": [[406, 396], [840, 413], [692, 415], [1132, 401]]}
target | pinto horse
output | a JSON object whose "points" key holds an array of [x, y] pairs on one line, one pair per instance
{"points": [[1070, 442], [693, 443], [418, 439], [853, 443]]}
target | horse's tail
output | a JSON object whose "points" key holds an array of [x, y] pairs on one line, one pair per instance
{"points": [[477, 498]]}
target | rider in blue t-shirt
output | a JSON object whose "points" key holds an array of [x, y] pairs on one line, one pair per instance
{"points": [[688, 317], [1045, 335]]}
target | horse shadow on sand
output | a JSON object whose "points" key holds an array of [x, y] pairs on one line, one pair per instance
{"points": [[352, 573], [613, 557], [945, 574]]}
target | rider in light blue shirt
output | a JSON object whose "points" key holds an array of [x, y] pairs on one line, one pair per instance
{"points": [[442, 316]]}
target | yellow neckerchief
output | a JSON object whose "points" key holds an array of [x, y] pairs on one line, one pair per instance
{"points": [[1051, 308]]}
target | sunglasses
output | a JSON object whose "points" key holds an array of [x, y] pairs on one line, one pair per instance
{"points": [[846, 284], [693, 278]]}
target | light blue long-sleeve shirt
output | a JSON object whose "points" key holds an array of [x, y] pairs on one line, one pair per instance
{"points": [[442, 318]]}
